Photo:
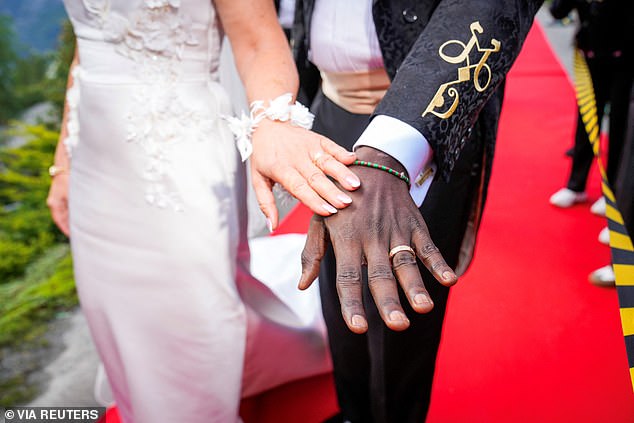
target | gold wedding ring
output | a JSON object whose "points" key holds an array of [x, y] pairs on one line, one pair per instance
{"points": [[400, 248]]}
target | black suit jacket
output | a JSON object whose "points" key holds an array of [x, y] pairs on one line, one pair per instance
{"points": [[411, 34], [421, 42]]}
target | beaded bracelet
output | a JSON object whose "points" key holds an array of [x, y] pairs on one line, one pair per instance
{"points": [[400, 175]]}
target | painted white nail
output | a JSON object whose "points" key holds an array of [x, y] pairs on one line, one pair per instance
{"points": [[330, 209], [344, 199], [353, 181]]}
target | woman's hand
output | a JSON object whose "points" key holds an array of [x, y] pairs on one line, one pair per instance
{"points": [[57, 201], [296, 158], [299, 160]]}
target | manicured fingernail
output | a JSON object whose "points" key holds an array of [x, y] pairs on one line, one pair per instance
{"points": [[330, 209], [351, 153], [358, 321], [355, 182], [448, 276], [422, 299], [344, 198], [397, 316], [269, 225]]}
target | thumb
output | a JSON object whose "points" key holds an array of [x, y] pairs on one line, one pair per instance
{"points": [[314, 251]]}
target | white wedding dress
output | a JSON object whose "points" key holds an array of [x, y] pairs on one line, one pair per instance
{"points": [[158, 222]]}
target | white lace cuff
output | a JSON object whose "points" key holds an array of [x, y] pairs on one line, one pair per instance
{"points": [[280, 108]]}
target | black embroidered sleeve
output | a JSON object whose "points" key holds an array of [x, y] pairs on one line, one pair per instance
{"points": [[454, 66]]}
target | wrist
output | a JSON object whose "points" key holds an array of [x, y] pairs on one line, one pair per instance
{"points": [[419, 185], [268, 132], [370, 154], [270, 123], [280, 109], [377, 182], [57, 170]]}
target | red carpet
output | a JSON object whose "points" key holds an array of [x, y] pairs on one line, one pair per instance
{"points": [[541, 344], [527, 338]]}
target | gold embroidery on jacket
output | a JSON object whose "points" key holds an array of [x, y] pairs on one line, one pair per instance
{"points": [[464, 72]]}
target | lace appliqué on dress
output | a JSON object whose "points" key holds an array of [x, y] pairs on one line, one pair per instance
{"points": [[162, 120], [72, 118], [155, 38]]}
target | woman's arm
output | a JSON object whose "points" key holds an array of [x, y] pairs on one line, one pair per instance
{"points": [[57, 199], [295, 157]]}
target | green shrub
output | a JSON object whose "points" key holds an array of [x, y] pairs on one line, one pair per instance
{"points": [[29, 302], [26, 306], [26, 228], [14, 257], [16, 390]]}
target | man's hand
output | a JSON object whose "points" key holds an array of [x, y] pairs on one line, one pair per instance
{"points": [[299, 160], [382, 216]]}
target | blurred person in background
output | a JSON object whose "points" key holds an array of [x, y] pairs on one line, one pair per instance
{"points": [[605, 37], [624, 192]]}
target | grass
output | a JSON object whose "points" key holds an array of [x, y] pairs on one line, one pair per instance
{"points": [[27, 305], [30, 302], [16, 391]]}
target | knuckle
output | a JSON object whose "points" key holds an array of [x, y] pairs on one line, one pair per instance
{"points": [[437, 266], [264, 205], [379, 272], [346, 232], [415, 223], [316, 178], [327, 161], [299, 186], [390, 302], [258, 180], [403, 259], [281, 173], [348, 276], [307, 257], [351, 304], [427, 251], [375, 227]]}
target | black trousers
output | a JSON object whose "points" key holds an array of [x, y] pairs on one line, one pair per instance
{"points": [[612, 81], [385, 376]]}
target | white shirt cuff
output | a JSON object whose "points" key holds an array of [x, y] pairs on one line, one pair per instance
{"points": [[405, 144]]}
